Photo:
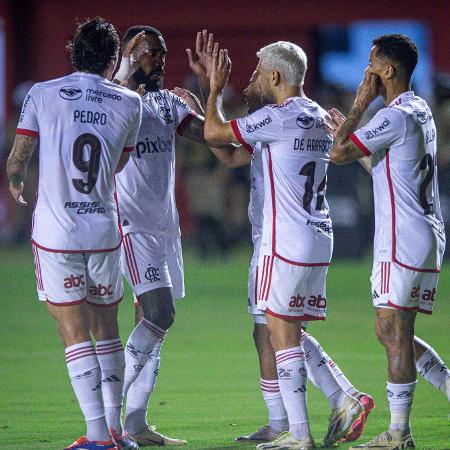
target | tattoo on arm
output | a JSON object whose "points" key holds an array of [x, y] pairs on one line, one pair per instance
{"points": [[17, 164], [350, 124]]}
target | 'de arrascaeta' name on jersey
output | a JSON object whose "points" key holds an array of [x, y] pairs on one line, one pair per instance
{"points": [[313, 145]]}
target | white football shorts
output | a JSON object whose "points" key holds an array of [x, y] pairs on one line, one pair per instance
{"points": [[396, 287], [151, 262], [290, 291], [72, 278]]}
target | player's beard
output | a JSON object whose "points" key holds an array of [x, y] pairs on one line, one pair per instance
{"points": [[140, 77]]}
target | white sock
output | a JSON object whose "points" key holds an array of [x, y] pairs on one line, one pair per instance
{"points": [[319, 370], [139, 393], [85, 375], [278, 419], [140, 344], [433, 369], [292, 381], [112, 363], [400, 398]]}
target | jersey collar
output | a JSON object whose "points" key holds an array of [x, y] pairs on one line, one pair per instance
{"points": [[398, 100]]}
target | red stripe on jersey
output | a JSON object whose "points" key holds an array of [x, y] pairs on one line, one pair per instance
{"points": [[270, 278], [52, 250], [185, 121], [266, 277], [394, 238], [415, 269], [402, 308], [388, 276], [129, 261], [25, 132], [360, 145], [381, 284], [262, 278], [256, 286], [37, 268], [295, 263], [105, 305], [134, 259], [305, 317], [274, 208], [76, 302], [128, 149], [237, 133]]}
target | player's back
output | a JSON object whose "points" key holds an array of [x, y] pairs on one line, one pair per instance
{"points": [[84, 123], [409, 165], [295, 157]]}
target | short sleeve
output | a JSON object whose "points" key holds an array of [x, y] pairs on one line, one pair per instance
{"points": [[183, 113], [386, 129], [28, 121], [135, 124], [262, 126]]}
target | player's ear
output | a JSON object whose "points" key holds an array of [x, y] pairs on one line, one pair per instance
{"points": [[276, 77], [389, 71]]}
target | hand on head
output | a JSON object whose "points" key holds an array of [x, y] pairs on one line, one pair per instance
{"points": [[368, 90]]}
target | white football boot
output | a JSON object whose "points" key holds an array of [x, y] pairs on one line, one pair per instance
{"points": [[264, 434], [285, 441], [390, 440]]}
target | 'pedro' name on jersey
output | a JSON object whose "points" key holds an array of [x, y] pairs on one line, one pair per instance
{"points": [[81, 141]]}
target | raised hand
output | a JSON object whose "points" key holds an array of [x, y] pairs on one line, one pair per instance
{"points": [[200, 62], [334, 121], [132, 56], [221, 69], [191, 100]]}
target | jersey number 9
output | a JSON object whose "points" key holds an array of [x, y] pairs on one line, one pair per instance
{"points": [[90, 166]]}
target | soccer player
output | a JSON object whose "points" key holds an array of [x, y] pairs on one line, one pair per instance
{"points": [[409, 230], [320, 367], [296, 241], [86, 126], [151, 251]]}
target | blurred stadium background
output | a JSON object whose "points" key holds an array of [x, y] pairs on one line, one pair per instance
{"points": [[212, 200], [212, 203]]}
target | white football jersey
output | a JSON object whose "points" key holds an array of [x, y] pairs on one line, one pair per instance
{"points": [[146, 186], [401, 138], [295, 155], [84, 123], [256, 203]]}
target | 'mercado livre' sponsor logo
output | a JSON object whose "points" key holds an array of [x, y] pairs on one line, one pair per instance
{"points": [[70, 93]]}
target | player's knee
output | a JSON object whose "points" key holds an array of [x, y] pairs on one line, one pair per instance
{"points": [[162, 317]]}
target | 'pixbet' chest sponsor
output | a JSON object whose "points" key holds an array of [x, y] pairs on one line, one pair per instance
{"points": [[377, 130], [153, 146]]}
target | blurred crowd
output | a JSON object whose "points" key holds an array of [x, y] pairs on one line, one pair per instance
{"points": [[213, 200]]}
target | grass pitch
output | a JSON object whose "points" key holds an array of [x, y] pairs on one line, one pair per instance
{"points": [[208, 388]]}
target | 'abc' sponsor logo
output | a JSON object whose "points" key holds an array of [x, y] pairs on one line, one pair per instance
{"points": [[100, 290], [315, 301], [74, 281], [70, 93]]}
